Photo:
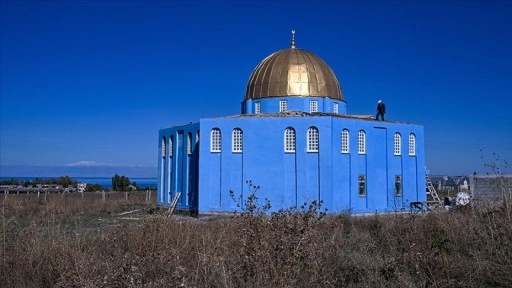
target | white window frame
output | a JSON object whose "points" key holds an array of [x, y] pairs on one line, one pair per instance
{"points": [[361, 142], [335, 109], [313, 106], [171, 144], [289, 140], [237, 140], [189, 143], [345, 144], [397, 141], [412, 144], [313, 139], [257, 108], [215, 140], [162, 152], [283, 105]]}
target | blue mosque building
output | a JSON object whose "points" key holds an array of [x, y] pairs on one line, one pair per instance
{"points": [[294, 140]]}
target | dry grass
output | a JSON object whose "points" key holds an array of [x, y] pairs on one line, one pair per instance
{"points": [[75, 242]]}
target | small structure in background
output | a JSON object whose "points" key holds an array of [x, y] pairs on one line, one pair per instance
{"points": [[490, 190]]}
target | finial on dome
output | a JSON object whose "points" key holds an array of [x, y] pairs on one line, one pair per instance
{"points": [[293, 39]]}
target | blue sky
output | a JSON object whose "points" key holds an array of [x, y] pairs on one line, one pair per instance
{"points": [[90, 83]]}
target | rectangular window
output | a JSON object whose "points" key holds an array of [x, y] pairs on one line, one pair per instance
{"points": [[313, 106], [398, 185], [283, 105], [335, 108], [257, 108], [362, 185]]}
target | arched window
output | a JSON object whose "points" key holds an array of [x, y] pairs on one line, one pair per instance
{"points": [[412, 144], [361, 142], [289, 140], [162, 152], [312, 139], [215, 140], [237, 140], [189, 143], [344, 141], [397, 141], [170, 146]]}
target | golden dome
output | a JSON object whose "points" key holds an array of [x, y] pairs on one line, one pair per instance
{"points": [[293, 72]]}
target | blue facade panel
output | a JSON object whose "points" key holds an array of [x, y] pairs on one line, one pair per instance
{"points": [[345, 182]]}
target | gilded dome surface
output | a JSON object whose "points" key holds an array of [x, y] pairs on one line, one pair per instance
{"points": [[293, 72]]}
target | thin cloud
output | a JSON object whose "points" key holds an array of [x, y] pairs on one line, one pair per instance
{"points": [[88, 164]]}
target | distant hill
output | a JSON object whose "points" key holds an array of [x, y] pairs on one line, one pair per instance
{"points": [[77, 171]]}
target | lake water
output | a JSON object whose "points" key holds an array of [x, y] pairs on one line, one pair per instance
{"points": [[105, 182]]}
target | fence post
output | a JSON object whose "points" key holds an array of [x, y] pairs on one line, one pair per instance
{"points": [[103, 195], [126, 196]]}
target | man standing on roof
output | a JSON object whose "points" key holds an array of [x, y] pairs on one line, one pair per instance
{"points": [[381, 109]]}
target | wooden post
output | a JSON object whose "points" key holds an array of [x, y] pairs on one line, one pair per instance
{"points": [[126, 196], [103, 195]]}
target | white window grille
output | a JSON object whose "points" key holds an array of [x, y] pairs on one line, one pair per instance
{"points": [[397, 139], [313, 106], [289, 140], [283, 105], [162, 153], [335, 108], [170, 146], [237, 140], [312, 139], [189, 143], [215, 141], [344, 141], [361, 142], [257, 108], [412, 144]]}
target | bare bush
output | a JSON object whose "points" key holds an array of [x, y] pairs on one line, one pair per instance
{"points": [[55, 243]]}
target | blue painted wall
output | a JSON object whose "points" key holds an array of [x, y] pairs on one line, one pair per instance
{"points": [[291, 179], [294, 103], [178, 166]]}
